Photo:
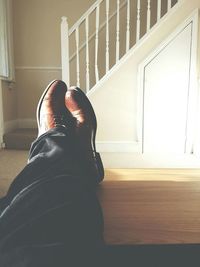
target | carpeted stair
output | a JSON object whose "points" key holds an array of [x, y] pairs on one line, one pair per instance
{"points": [[20, 139]]}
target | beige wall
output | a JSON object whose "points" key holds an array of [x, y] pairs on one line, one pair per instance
{"points": [[37, 29], [9, 97], [115, 101], [37, 46]]}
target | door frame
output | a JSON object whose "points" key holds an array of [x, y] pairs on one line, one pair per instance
{"points": [[193, 83]]}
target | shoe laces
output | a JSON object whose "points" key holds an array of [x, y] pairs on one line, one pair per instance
{"points": [[59, 120], [63, 120]]}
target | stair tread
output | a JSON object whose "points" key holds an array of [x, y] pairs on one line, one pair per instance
{"points": [[20, 138], [23, 131]]}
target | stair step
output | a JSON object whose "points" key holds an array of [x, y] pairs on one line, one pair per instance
{"points": [[20, 139]]}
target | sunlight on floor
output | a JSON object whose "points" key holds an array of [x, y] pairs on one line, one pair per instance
{"points": [[152, 175]]}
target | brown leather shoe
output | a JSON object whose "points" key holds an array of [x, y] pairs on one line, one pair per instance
{"points": [[51, 110], [86, 125]]}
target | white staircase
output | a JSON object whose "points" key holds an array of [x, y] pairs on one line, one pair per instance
{"points": [[98, 41], [106, 54]]}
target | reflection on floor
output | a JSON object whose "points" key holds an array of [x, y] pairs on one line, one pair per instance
{"points": [[151, 206]]}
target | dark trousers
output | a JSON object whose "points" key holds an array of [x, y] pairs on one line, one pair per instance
{"points": [[51, 215]]}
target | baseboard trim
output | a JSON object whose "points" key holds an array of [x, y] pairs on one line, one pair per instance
{"points": [[151, 160], [102, 146], [27, 123], [118, 146], [10, 125], [38, 68]]}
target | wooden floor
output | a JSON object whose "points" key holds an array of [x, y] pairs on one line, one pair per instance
{"points": [[144, 206], [149, 206]]}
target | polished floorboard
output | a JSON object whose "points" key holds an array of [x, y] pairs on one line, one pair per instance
{"points": [[151, 206], [140, 206], [152, 216]]}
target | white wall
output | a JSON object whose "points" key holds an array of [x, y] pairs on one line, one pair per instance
{"points": [[115, 100]]}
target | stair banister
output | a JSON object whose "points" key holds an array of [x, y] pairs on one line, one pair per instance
{"points": [[87, 60], [107, 35], [148, 15], [158, 10], [101, 26], [128, 26], [97, 45], [65, 50], [138, 21], [169, 5], [89, 67], [65, 34], [117, 31], [77, 58], [85, 15]]}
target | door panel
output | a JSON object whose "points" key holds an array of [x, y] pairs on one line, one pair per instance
{"points": [[166, 96]]}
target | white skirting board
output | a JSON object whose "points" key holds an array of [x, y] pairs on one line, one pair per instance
{"points": [[139, 160], [126, 154]]}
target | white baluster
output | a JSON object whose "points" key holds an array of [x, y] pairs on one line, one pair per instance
{"points": [[87, 54], [117, 32], [97, 44], [138, 21], [128, 26], [148, 15], [169, 5], [107, 36], [77, 58], [158, 10], [65, 50]]}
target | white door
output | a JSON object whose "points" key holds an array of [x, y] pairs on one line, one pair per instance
{"points": [[166, 91]]}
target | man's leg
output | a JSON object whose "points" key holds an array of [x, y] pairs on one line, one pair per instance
{"points": [[52, 201], [53, 153]]}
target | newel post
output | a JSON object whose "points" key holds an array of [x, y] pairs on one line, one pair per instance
{"points": [[65, 50]]}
